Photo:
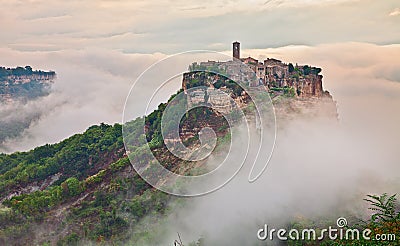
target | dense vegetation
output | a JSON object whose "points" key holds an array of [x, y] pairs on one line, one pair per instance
{"points": [[96, 184], [60, 172], [384, 221], [217, 80], [85, 175], [75, 157], [23, 71], [85, 186], [215, 69]]}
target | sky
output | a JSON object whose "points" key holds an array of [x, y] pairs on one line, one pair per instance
{"points": [[174, 26]]}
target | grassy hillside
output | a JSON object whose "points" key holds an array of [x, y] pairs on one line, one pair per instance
{"points": [[84, 187]]}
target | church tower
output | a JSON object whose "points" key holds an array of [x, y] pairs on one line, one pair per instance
{"points": [[236, 50]]}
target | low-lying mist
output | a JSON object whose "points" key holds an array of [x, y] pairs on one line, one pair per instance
{"points": [[92, 85], [320, 169], [91, 88]]}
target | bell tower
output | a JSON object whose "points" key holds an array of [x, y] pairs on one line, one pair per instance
{"points": [[236, 50]]}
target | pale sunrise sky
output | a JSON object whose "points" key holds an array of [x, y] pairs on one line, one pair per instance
{"points": [[142, 26]]}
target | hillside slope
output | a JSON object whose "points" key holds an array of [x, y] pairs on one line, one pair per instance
{"points": [[84, 188], [19, 86]]}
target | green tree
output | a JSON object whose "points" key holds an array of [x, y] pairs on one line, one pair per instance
{"points": [[291, 68], [306, 70], [71, 187]]}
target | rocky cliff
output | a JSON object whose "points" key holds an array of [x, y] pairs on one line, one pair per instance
{"points": [[290, 93]]}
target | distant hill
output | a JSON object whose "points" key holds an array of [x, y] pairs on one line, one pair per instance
{"points": [[23, 83], [18, 86]]}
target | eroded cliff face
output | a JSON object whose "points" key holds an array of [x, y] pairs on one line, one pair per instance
{"points": [[309, 86], [291, 97]]}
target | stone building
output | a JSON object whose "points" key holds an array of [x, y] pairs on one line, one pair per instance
{"points": [[275, 75], [236, 50]]}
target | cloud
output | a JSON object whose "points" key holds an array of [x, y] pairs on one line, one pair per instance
{"points": [[93, 83], [319, 168], [395, 12], [91, 88], [354, 73], [175, 26], [317, 171]]}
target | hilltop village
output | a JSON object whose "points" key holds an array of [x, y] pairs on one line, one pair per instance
{"points": [[291, 87], [301, 81]]}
